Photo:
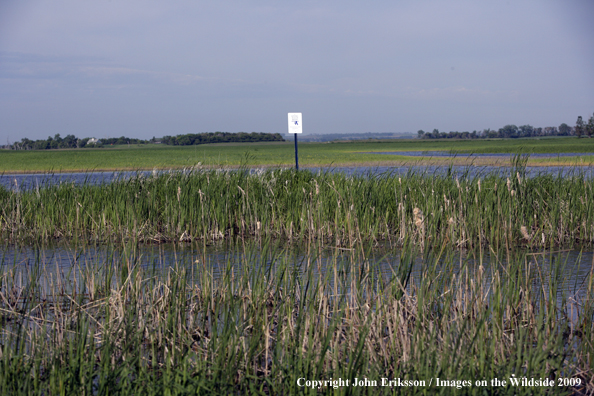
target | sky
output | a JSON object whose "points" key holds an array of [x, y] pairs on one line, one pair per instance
{"points": [[144, 68]]}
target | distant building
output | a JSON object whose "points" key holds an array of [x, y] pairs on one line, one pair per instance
{"points": [[92, 140]]}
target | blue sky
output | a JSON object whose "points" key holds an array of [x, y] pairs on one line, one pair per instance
{"points": [[153, 68]]}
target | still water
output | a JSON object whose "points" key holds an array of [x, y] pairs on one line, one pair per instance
{"points": [[38, 180], [569, 270]]}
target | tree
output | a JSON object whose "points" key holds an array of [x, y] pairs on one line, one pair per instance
{"points": [[564, 129], [579, 127], [526, 130], [69, 141], [550, 131], [420, 133], [509, 131], [590, 126]]}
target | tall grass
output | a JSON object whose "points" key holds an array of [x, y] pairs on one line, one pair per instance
{"points": [[121, 328], [429, 209]]}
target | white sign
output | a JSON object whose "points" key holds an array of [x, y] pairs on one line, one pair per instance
{"points": [[295, 123]]}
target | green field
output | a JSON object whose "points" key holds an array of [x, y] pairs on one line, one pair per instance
{"points": [[282, 154]]}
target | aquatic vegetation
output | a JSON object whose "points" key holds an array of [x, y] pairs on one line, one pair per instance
{"points": [[337, 209], [260, 323], [117, 327]]}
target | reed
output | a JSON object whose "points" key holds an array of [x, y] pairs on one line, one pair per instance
{"points": [[118, 327], [341, 210]]}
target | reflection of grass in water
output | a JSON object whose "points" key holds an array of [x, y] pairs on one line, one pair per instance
{"points": [[270, 154], [334, 208], [259, 328]]}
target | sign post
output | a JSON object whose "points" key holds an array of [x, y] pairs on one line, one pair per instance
{"points": [[295, 127]]}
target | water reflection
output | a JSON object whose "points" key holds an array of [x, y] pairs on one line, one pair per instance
{"points": [[70, 266], [40, 180]]}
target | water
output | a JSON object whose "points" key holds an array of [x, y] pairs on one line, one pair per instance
{"points": [[39, 180], [464, 155], [70, 264]]}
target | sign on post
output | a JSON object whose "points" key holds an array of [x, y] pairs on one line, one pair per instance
{"points": [[295, 123], [295, 127]]}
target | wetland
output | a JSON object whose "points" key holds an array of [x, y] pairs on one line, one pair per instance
{"points": [[244, 281]]}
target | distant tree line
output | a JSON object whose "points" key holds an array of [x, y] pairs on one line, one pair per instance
{"points": [[220, 137], [71, 141], [513, 132], [507, 132]]}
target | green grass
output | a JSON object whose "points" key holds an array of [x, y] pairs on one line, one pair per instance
{"points": [[517, 146], [119, 328], [431, 209], [269, 154]]}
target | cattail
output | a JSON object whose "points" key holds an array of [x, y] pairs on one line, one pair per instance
{"points": [[519, 179], [419, 222], [418, 217], [479, 185], [178, 193], [513, 192], [524, 232], [508, 184]]}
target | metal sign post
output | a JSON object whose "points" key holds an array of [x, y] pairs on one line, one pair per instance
{"points": [[295, 127]]}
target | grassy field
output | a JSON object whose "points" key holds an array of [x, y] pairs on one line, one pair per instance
{"points": [[277, 321], [282, 154]]}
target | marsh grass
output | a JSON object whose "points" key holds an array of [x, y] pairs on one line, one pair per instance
{"points": [[259, 322], [341, 210], [121, 328]]}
